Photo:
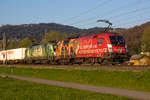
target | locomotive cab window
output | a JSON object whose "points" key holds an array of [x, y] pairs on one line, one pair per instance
{"points": [[117, 40], [100, 41]]}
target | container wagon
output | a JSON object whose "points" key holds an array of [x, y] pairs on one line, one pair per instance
{"points": [[12, 56]]}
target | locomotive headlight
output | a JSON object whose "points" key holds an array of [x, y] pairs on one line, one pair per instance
{"points": [[109, 47]]}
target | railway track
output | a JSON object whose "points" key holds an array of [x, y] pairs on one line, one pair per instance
{"points": [[85, 67]]}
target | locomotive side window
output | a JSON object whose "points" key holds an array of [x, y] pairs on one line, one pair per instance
{"points": [[100, 41]]}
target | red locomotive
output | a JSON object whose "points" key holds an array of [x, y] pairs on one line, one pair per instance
{"points": [[98, 48]]}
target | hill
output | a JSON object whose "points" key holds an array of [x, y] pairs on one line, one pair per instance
{"points": [[34, 30], [17, 32], [38, 30], [133, 37]]}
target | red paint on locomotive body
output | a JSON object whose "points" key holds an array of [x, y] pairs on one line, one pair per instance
{"points": [[99, 44]]}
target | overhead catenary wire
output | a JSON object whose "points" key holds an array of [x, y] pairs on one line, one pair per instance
{"points": [[129, 22], [113, 17], [108, 12], [133, 21], [130, 12], [119, 15], [130, 17], [88, 11]]}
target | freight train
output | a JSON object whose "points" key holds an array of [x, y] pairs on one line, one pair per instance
{"points": [[98, 48]]}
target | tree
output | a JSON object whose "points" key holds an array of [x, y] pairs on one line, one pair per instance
{"points": [[50, 36], [134, 49], [53, 36], [1, 44], [146, 40], [34, 41], [63, 36], [26, 42], [12, 45], [4, 41]]}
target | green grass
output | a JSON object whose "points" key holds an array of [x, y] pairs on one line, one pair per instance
{"points": [[117, 79], [20, 90]]}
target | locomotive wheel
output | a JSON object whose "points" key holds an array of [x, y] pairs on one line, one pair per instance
{"points": [[121, 61], [100, 60], [92, 61], [71, 61], [30, 61], [104, 62], [113, 64], [62, 62]]}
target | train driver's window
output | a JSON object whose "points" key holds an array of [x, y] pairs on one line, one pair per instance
{"points": [[100, 41]]}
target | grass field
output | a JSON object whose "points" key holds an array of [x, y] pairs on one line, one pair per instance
{"points": [[19, 90], [117, 79]]}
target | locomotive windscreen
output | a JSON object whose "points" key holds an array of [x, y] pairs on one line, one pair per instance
{"points": [[117, 41]]}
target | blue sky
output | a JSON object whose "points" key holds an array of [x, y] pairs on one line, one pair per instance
{"points": [[78, 13]]}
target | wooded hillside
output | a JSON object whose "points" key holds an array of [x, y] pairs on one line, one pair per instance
{"points": [[35, 32], [133, 37]]}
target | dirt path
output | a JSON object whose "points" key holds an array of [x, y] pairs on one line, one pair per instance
{"points": [[99, 89]]}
